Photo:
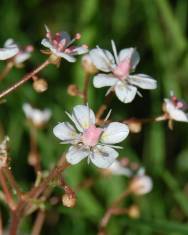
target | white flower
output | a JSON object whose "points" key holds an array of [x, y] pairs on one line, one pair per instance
{"points": [[61, 45], [141, 184], [38, 117], [18, 55], [9, 50], [176, 108], [87, 140], [117, 70], [118, 169]]}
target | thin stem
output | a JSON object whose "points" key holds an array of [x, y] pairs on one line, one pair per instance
{"points": [[6, 70], [85, 90], [1, 224], [14, 223], [111, 211], [8, 195], [104, 106], [24, 79], [34, 156], [38, 223]]}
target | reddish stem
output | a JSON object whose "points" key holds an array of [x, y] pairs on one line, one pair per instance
{"points": [[24, 79]]}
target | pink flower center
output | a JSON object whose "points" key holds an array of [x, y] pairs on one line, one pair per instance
{"points": [[91, 135], [122, 69]]}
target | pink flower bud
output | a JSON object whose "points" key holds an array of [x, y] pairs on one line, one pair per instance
{"points": [[141, 185]]}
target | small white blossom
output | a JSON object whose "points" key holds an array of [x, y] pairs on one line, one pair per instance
{"points": [[9, 50], [87, 140], [141, 184], [36, 116], [118, 169], [117, 70], [61, 45], [19, 54], [176, 109]]}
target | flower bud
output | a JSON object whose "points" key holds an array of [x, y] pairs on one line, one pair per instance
{"points": [[4, 152], [141, 185], [88, 65], [40, 85], [135, 126], [73, 90], [69, 200], [134, 212]]}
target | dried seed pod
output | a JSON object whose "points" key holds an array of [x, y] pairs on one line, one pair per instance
{"points": [[40, 85], [69, 200]]}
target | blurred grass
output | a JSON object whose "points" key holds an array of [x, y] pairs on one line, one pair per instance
{"points": [[158, 29]]}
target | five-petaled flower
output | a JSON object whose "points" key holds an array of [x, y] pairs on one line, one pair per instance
{"points": [[61, 45], [9, 50], [96, 143], [176, 109], [36, 116], [117, 70]]}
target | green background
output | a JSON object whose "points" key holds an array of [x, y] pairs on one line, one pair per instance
{"points": [[158, 29]]}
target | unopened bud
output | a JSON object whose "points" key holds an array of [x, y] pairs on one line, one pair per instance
{"points": [[32, 159], [141, 185], [135, 126], [134, 212], [69, 200], [88, 65], [53, 59], [4, 152], [73, 90], [40, 85]]}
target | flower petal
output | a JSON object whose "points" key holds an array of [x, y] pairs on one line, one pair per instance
{"points": [[45, 42], [7, 53], [83, 117], [102, 80], [143, 81], [76, 154], [114, 133], [21, 57], [117, 169], [65, 132], [130, 53], [103, 156], [175, 113], [125, 92], [79, 50], [102, 59]]}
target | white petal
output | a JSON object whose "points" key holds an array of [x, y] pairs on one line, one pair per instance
{"points": [[102, 80], [45, 42], [176, 114], [114, 133], [117, 169], [102, 59], [103, 156], [143, 81], [83, 117], [9, 43], [124, 92], [66, 56], [79, 50], [28, 110], [65, 132], [21, 57], [7, 53], [130, 53], [76, 154]]}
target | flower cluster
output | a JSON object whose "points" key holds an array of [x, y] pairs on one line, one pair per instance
{"points": [[176, 109], [88, 140], [18, 55], [116, 72], [61, 45]]}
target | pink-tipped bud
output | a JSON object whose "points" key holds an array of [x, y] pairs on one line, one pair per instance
{"points": [[69, 200], [77, 36], [73, 90], [29, 48]]}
